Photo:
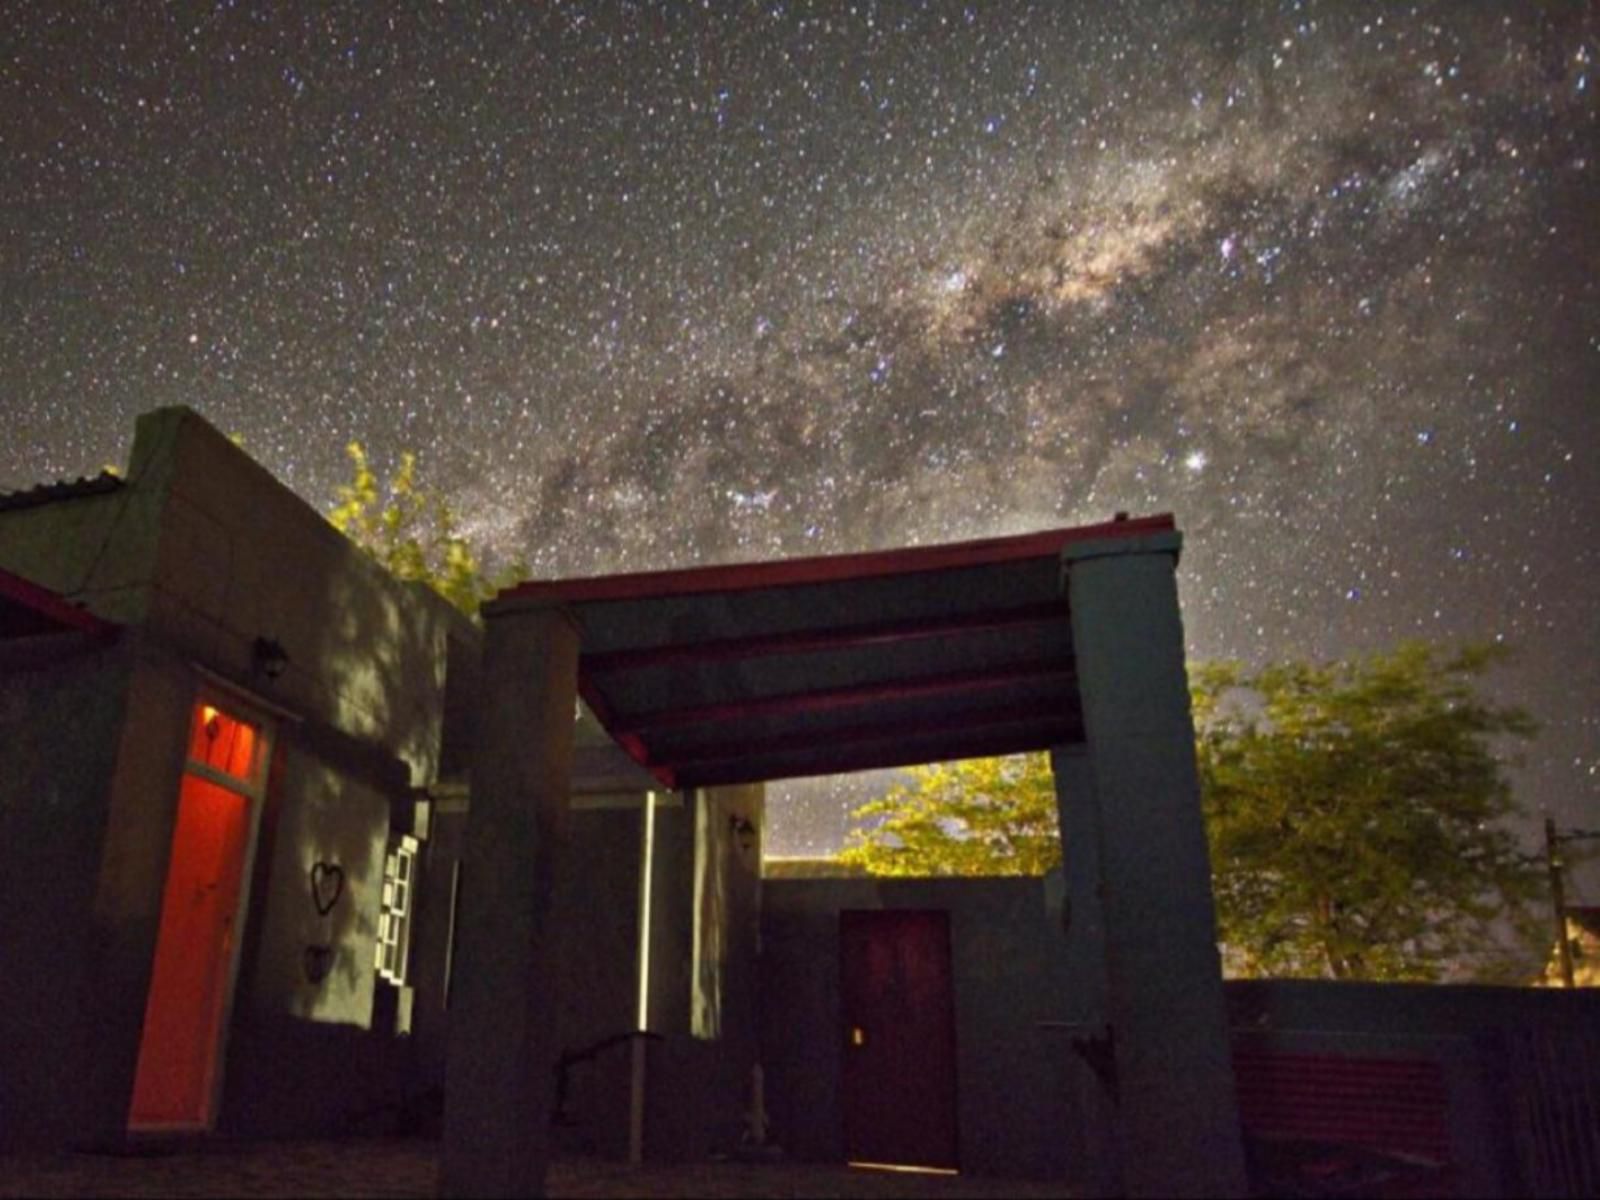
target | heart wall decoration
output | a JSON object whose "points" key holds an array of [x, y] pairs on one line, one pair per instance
{"points": [[327, 885], [317, 962]]}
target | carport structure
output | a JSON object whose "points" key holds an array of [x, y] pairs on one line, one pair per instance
{"points": [[1067, 640]]}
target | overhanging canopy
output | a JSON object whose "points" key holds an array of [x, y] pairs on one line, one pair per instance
{"points": [[820, 666], [28, 610]]}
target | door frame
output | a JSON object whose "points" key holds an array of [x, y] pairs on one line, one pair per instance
{"points": [[253, 792], [844, 1034]]}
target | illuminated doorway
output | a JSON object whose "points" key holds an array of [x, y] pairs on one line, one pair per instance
{"points": [[898, 1083], [197, 949]]}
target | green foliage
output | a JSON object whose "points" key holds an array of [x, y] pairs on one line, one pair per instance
{"points": [[1353, 810], [985, 816], [413, 533]]}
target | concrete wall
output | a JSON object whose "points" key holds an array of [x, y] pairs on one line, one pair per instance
{"points": [[1008, 974], [1482, 1038], [697, 1088], [240, 557], [1020, 1112], [54, 793], [597, 995], [98, 550], [699, 1072]]}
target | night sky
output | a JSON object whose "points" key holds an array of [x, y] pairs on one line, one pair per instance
{"points": [[657, 285]]}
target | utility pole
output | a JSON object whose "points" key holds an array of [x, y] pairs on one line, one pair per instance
{"points": [[1558, 901]]}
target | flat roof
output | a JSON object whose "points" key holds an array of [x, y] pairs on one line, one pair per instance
{"points": [[821, 666]]}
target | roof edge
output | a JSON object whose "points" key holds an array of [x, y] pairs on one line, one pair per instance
{"points": [[837, 568]]}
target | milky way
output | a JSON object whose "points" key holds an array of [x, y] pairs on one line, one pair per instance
{"points": [[654, 285]]}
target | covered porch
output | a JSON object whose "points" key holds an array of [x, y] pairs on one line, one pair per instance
{"points": [[1067, 641]]}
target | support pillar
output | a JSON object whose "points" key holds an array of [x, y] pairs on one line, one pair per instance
{"points": [[1177, 1122], [1086, 1047], [500, 1073]]}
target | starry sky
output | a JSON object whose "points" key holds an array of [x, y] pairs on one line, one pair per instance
{"points": [[653, 285]]}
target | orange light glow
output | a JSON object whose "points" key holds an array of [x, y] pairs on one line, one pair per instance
{"points": [[903, 1168], [188, 984], [223, 742]]}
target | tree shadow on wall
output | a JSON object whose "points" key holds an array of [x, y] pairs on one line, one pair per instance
{"points": [[367, 672]]}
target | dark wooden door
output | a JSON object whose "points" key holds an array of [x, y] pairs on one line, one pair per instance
{"points": [[899, 1072]]}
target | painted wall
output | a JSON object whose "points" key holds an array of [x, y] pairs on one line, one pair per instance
{"points": [[1008, 974]]}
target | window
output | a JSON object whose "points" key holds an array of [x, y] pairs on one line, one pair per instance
{"points": [[394, 919], [226, 746]]}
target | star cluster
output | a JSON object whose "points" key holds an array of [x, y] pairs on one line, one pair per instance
{"points": [[650, 285]]}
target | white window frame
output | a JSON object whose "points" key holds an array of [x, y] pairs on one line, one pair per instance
{"points": [[396, 912]]}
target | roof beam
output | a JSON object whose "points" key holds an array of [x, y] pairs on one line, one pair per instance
{"points": [[895, 753], [1052, 671], [811, 641], [979, 723]]}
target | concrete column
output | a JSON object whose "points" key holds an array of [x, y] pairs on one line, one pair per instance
{"points": [[499, 1076], [1177, 1116], [1096, 1170]]}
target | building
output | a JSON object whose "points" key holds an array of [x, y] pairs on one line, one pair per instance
{"points": [[233, 786], [1583, 945], [288, 847]]}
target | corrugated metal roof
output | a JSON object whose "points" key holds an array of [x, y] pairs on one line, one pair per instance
{"points": [[49, 493], [820, 666]]}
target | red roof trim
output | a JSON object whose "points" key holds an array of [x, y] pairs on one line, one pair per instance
{"points": [[51, 607], [795, 572], [631, 743]]}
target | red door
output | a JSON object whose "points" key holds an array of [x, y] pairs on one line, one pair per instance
{"points": [[899, 1075], [176, 1077]]}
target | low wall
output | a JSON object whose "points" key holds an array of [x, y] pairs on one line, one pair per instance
{"points": [[1009, 982], [1521, 1115], [1494, 1083]]}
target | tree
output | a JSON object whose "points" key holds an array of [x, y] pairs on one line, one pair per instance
{"points": [[984, 816], [1353, 810], [413, 533]]}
